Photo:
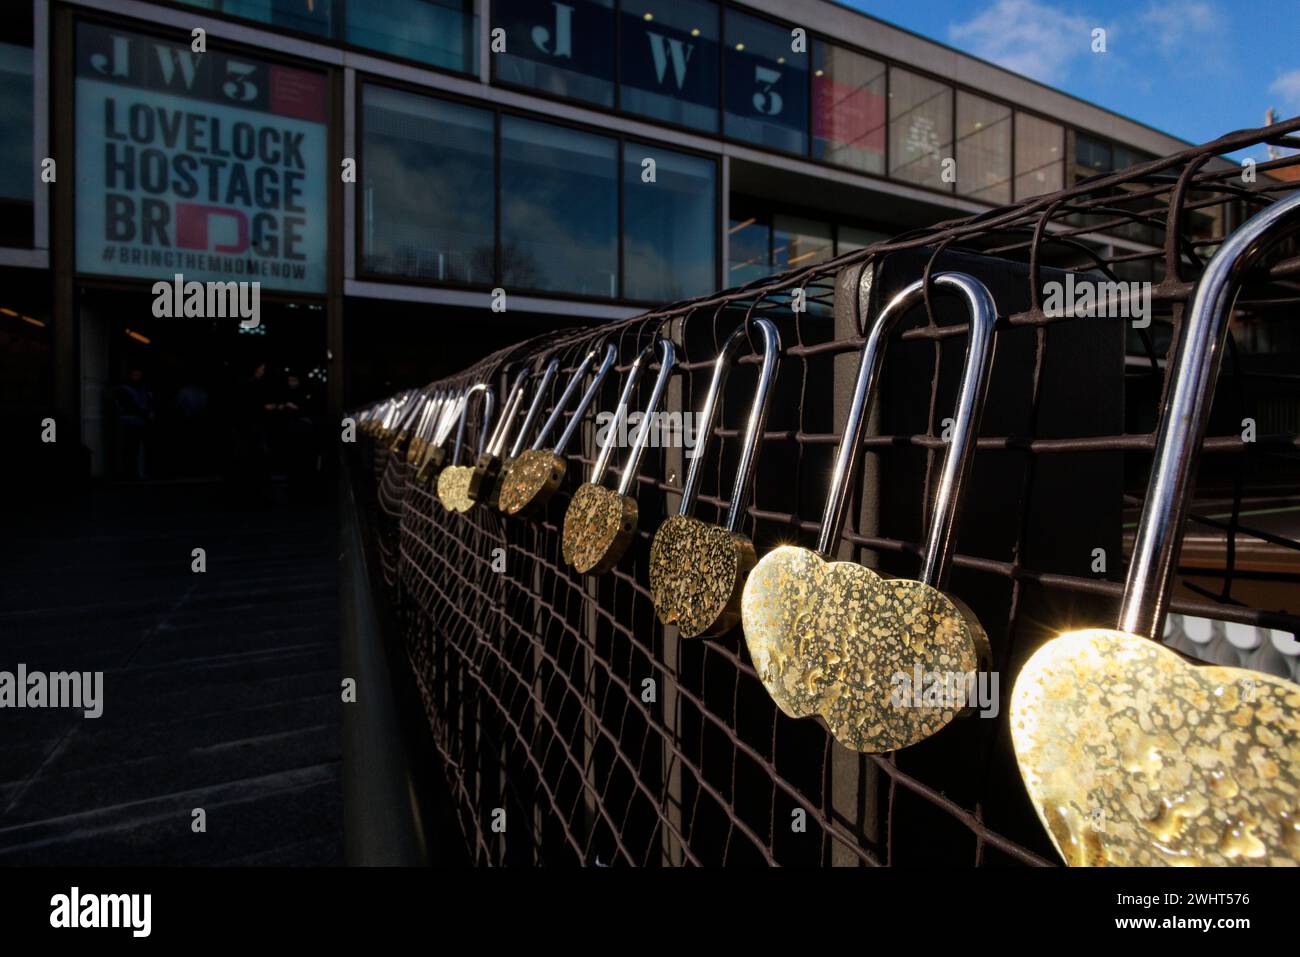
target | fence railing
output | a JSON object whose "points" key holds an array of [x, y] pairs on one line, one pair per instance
{"points": [[574, 727]]}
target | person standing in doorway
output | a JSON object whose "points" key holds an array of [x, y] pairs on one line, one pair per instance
{"points": [[135, 412]]}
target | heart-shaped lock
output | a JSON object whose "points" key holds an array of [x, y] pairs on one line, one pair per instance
{"points": [[831, 638], [416, 402], [485, 479], [1129, 754], [435, 453], [386, 431], [600, 522], [419, 442], [453, 481], [536, 473], [697, 570]]}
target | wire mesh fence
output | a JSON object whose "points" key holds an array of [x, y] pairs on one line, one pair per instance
{"points": [[573, 727]]}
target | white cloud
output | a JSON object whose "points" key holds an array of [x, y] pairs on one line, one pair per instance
{"points": [[1032, 38], [1286, 87], [1178, 26]]}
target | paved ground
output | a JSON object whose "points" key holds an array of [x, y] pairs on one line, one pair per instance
{"points": [[221, 690]]}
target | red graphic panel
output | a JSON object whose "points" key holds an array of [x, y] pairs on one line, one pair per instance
{"points": [[848, 116], [192, 227], [298, 93]]}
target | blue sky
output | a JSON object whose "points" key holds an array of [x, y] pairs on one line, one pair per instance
{"points": [[1193, 68]]}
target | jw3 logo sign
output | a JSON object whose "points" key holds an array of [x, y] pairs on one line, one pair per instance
{"points": [[667, 50]]}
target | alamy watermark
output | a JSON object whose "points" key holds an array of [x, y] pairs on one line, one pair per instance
{"points": [[208, 300], [1103, 299], [946, 689], [55, 689], [667, 430]]}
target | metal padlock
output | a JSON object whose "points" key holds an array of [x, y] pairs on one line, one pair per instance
{"points": [[530, 420], [1130, 755], [832, 638], [420, 436], [485, 480], [697, 570], [401, 431], [384, 431], [435, 454], [535, 475], [600, 522], [453, 481]]}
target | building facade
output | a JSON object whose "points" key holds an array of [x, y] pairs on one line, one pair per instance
{"points": [[414, 183]]}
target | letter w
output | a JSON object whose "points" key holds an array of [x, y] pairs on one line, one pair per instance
{"points": [[169, 58], [661, 48]]}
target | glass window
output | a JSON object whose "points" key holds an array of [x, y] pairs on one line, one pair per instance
{"points": [[669, 226], [983, 149], [16, 110], [849, 238], [304, 16], [848, 97], [920, 128], [670, 61], [427, 170], [1038, 156], [799, 242], [1090, 156], [767, 85], [565, 49], [559, 209], [749, 248], [439, 32]]}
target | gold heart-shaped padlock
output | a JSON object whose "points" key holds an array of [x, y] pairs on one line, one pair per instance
{"points": [[697, 570], [832, 638], [485, 478], [419, 441], [431, 462], [535, 474], [414, 405], [1130, 755], [453, 481], [600, 523], [1134, 757]]}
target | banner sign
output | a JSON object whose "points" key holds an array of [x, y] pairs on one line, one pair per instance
{"points": [[208, 164]]}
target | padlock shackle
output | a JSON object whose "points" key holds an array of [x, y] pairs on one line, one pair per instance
{"points": [[1191, 376], [614, 428], [535, 407], [448, 417], [571, 387], [753, 430], [607, 363], [489, 399], [667, 359], [514, 399], [601, 464], [428, 411], [971, 391]]}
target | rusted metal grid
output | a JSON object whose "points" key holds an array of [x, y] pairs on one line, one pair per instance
{"points": [[535, 678]]}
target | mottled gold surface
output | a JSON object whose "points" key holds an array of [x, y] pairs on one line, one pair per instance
{"points": [[530, 480], [784, 607], [910, 626], [697, 572], [1133, 757], [453, 488], [598, 525], [415, 450]]}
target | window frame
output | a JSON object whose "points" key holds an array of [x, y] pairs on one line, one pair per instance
{"points": [[498, 111]]}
